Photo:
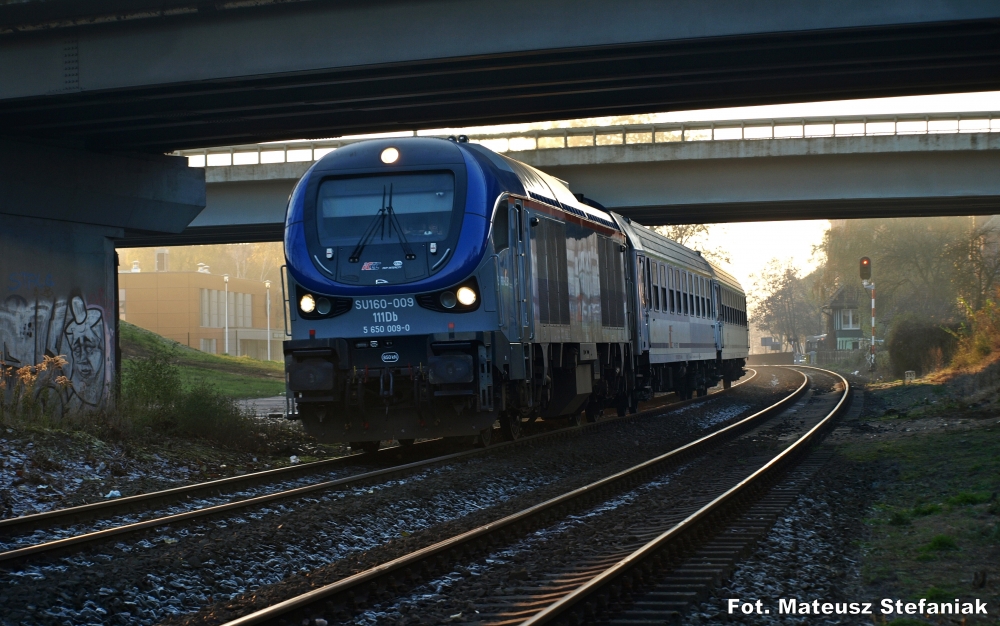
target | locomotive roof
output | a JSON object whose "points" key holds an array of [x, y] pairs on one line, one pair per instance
{"points": [[545, 188]]}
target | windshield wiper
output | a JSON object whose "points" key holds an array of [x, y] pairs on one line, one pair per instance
{"points": [[378, 224]]}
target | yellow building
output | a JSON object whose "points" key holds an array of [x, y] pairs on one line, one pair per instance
{"points": [[191, 308]]}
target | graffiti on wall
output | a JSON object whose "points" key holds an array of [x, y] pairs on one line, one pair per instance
{"points": [[46, 325]]}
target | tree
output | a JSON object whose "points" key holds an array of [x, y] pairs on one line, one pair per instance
{"points": [[781, 304], [695, 236], [976, 258], [920, 266]]}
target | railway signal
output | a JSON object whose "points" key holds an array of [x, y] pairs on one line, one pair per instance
{"points": [[866, 278]]}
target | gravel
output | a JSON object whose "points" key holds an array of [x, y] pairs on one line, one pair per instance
{"points": [[238, 562]]}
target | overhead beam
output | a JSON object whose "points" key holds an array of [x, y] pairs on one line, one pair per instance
{"points": [[135, 192], [312, 69]]}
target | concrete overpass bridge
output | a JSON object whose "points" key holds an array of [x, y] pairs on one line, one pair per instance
{"points": [[732, 170], [92, 94]]}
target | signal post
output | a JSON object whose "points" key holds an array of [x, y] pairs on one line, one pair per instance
{"points": [[866, 280]]}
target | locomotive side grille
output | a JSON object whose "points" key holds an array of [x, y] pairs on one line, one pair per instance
{"points": [[609, 260], [553, 282]]}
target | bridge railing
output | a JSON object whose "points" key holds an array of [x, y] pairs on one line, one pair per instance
{"points": [[593, 136]]}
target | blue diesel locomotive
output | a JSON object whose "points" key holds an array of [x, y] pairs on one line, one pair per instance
{"points": [[436, 287]]}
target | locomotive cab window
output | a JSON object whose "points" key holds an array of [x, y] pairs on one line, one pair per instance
{"points": [[422, 208], [501, 227]]}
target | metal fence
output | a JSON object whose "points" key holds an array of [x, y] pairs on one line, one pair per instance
{"points": [[594, 136]]}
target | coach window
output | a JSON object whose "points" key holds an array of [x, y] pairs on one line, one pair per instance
{"points": [[688, 302], [656, 285], [677, 290], [680, 292], [690, 294], [704, 298], [663, 287], [642, 296], [684, 289], [670, 287], [649, 286]]}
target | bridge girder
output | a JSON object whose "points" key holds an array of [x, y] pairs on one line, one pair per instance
{"points": [[182, 76]]}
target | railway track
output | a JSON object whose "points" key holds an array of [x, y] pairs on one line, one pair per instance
{"points": [[553, 587], [28, 537]]}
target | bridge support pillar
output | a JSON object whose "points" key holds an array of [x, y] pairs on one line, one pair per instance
{"points": [[60, 213]]}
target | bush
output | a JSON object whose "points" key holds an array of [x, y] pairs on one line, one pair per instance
{"points": [[922, 510], [942, 542], [980, 338], [152, 396], [966, 498], [919, 345]]}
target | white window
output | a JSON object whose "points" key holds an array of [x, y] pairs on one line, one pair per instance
{"points": [[849, 319]]}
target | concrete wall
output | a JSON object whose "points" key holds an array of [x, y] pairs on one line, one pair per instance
{"points": [[58, 298]]}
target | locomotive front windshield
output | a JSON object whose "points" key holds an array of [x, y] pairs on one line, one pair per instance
{"points": [[422, 205]]}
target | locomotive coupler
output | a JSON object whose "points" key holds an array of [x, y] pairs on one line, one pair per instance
{"points": [[386, 386]]}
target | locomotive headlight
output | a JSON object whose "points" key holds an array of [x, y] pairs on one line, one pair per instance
{"points": [[389, 155], [467, 296], [448, 300], [307, 303]]}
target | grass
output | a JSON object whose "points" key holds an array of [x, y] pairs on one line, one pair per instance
{"points": [[235, 377], [938, 522]]}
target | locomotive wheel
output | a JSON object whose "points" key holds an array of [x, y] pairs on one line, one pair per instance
{"points": [[592, 413], [633, 402], [485, 438], [510, 425], [575, 419], [727, 382], [702, 392], [405, 443]]}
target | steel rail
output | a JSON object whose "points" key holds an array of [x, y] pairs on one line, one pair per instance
{"points": [[548, 507], [68, 542], [122, 503], [561, 608]]}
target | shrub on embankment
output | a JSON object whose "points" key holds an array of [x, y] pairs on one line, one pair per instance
{"points": [[153, 398], [978, 338], [919, 345], [153, 403]]}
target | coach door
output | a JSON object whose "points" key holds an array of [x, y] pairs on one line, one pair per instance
{"points": [[719, 335], [644, 301]]}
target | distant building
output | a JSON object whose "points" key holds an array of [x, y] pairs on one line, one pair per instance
{"points": [[844, 319], [191, 308], [815, 343]]}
